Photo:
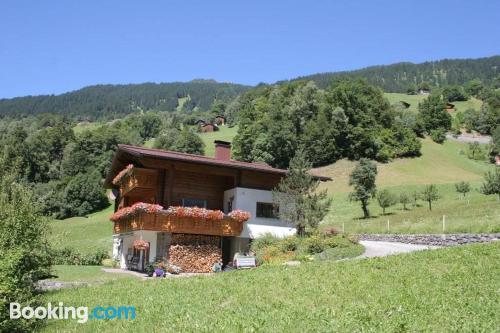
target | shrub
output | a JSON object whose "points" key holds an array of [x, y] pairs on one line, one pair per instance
{"points": [[313, 245], [24, 257], [108, 262], [289, 244], [438, 135], [69, 256], [264, 241]]}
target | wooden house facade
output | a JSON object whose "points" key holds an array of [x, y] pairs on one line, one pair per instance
{"points": [[162, 193]]}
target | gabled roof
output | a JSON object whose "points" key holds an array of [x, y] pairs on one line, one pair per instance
{"points": [[141, 152]]}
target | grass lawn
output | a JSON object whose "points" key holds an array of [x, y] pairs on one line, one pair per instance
{"points": [[224, 133], [452, 289], [85, 273], [85, 234]]}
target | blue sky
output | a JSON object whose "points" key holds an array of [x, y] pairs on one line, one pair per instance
{"points": [[56, 46]]}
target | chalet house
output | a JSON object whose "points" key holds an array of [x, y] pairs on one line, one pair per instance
{"points": [[220, 120], [207, 127], [166, 198]]}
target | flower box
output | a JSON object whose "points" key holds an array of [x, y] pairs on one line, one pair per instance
{"points": [[188, 220]]}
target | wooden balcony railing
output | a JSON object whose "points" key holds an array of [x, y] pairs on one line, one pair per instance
{"points": [[139, 181], [162, 221]]}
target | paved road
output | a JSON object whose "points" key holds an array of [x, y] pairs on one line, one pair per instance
{"points": [[382, 249]]}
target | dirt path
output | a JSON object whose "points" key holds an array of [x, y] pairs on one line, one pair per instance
{"points": [[382, 249]]}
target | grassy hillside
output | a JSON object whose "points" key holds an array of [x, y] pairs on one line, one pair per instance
{"points": [[438, 164], [472, 103], [444, 165], [224, 133], [444, 290], [86, 234]]}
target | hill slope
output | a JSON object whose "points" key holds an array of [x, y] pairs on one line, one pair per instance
{"points": [[398, 77], [113, 101]]}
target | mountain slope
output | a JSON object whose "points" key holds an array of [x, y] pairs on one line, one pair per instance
{"points": [[400, 76], [113, 101]]}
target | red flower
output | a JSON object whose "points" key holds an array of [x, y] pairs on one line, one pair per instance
{"points": [[135, 208]]}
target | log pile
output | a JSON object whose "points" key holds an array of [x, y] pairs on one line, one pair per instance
{"points": [[194, 253]]}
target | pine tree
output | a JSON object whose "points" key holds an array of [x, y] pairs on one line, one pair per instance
{"points": [[296, 196]]}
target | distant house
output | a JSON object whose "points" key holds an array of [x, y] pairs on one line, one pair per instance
{"points": [[220, 120], [450, 107], [167, 201], [208, 127], [424, 92], [200, 122]]}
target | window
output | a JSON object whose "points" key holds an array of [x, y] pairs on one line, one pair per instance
{"points": [[194, 203], [266, 209]]}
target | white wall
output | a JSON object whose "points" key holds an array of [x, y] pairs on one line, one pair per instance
{"points": [[128, 241], [246, 199]]}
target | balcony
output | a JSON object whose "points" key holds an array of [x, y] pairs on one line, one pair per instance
{"points": [[166, 222], [138, 181]]}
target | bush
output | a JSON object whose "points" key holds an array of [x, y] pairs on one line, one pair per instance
{"points": [[264, 241], [109, 263], [289, 244], [438, 135], [69, 256], [24, 258], [313, 245]]}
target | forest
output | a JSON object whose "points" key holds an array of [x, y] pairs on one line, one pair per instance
{"points": [[406, 76], [107, 102]]}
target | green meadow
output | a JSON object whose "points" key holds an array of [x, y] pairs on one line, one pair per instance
{"points": [[445, 290], [224, 133], [413, 100]]}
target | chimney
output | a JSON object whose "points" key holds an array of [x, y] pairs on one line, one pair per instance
{"points": [[222, 150]]}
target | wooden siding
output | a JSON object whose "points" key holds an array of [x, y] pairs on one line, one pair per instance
{"points": [[259, 180], [192, 185]]}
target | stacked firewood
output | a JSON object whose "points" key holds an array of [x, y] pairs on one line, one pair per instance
{"points": [[195, 253]]}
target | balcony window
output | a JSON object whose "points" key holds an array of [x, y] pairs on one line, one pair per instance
{"points": [[194, 203], [268, 210]]}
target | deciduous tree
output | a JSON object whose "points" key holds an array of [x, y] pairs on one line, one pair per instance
{"points": [[430, 193], [363, 181], [385, 199]]}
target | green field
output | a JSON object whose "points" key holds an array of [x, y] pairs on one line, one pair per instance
{"points": [[224, 133], [85, 234], [443, 165], [394, 98], [452, 289]]}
